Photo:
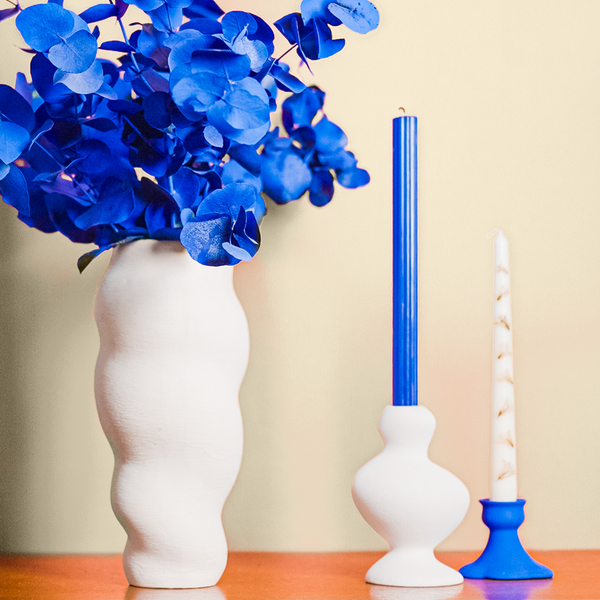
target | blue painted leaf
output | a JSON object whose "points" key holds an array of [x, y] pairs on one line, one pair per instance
{"points": [[116, 46], [13, 188], [236, 22], [203, 8], [233, 172], [244, 240], [114, 205], [178, 3], [87, 82], [85, 259], [48, 177], [288, 26], [4, 170], [237, 252], [165, 18], [60, 209], [15, 108], [321, 188], [358, 15], [213, 137], [126, 107], [75, 54], [111, 70], [6, 13], [300, 109], [47, 125], [230, 199], [194, 95], [188, 42], [250, 136], [305, 139], [353, 178], [248, 35], [146, 5], [13, 140], [154, 162], [316, 40], [255, 50], [246, 232], [187, 187], [245, 107], [99, 12], [150, 42], [317, 9], [292, 28], [340, 160], [158, 107], [206, 26], [285, 80], [107, 92], [154, 194], [44, 25], [246, 156], [121, 7], [158, 219], [78, 24], [95, 156], [326, 46], [103, 124], [23, 87], [285, 176], [330, 137], [187, 214], [203, 238], [152, 82], [42, 75], [223, 63]]}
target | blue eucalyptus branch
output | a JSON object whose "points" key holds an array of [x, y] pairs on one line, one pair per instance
{"points": [[174, 139]]}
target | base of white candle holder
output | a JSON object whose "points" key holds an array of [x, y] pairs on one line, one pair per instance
{"points": [[410, 501]]}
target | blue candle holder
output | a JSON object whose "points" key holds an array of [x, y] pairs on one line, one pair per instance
{"points": [[504, 557]]}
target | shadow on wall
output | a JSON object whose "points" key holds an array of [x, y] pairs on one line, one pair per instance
{"points": [[55, 464], [13, 412]]}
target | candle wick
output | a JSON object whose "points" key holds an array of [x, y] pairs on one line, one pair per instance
{"points": [[495, 232], [402, 109]]}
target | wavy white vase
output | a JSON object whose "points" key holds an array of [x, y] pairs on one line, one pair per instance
{"points": [[173, 353], [410, 501]]}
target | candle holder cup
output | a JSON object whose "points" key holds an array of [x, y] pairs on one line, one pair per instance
{"points": [[410, 501], [504, 556]]}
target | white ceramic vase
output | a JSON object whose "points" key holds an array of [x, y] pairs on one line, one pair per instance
{"points": [[173, 353], [410, 501]]}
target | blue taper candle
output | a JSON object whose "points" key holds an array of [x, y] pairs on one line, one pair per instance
{"points": [[405, 276]]}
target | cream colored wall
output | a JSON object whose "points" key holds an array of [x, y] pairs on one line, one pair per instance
{"points": [[507, 96]]}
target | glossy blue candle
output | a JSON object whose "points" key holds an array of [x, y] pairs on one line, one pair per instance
{"points": [[405, 309]]}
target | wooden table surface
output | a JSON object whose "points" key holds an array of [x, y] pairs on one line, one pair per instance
{"points": [[276, 576]]}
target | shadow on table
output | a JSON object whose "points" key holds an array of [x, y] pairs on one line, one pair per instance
{"points": [[382, 592], [210, 593]]}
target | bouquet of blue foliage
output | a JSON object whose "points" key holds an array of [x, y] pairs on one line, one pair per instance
{"points": [[173, 141]]}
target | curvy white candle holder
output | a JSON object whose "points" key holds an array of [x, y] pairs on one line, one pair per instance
{"points": [[410, 501]]}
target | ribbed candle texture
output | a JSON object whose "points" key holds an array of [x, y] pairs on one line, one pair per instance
{"points": [[405, 276]]}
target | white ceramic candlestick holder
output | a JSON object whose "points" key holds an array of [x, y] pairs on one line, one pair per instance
{"points": [[410, 501]]}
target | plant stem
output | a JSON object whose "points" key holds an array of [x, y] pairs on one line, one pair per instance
{"points": [[131, 54]]}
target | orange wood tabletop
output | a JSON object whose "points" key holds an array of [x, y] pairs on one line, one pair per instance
{"points": [[279, 576]]}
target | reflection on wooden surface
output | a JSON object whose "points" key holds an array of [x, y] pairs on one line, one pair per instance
{"points": [[282, 576]]}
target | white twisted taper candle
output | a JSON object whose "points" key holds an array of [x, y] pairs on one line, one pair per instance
{"points": [[503, 452]]}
